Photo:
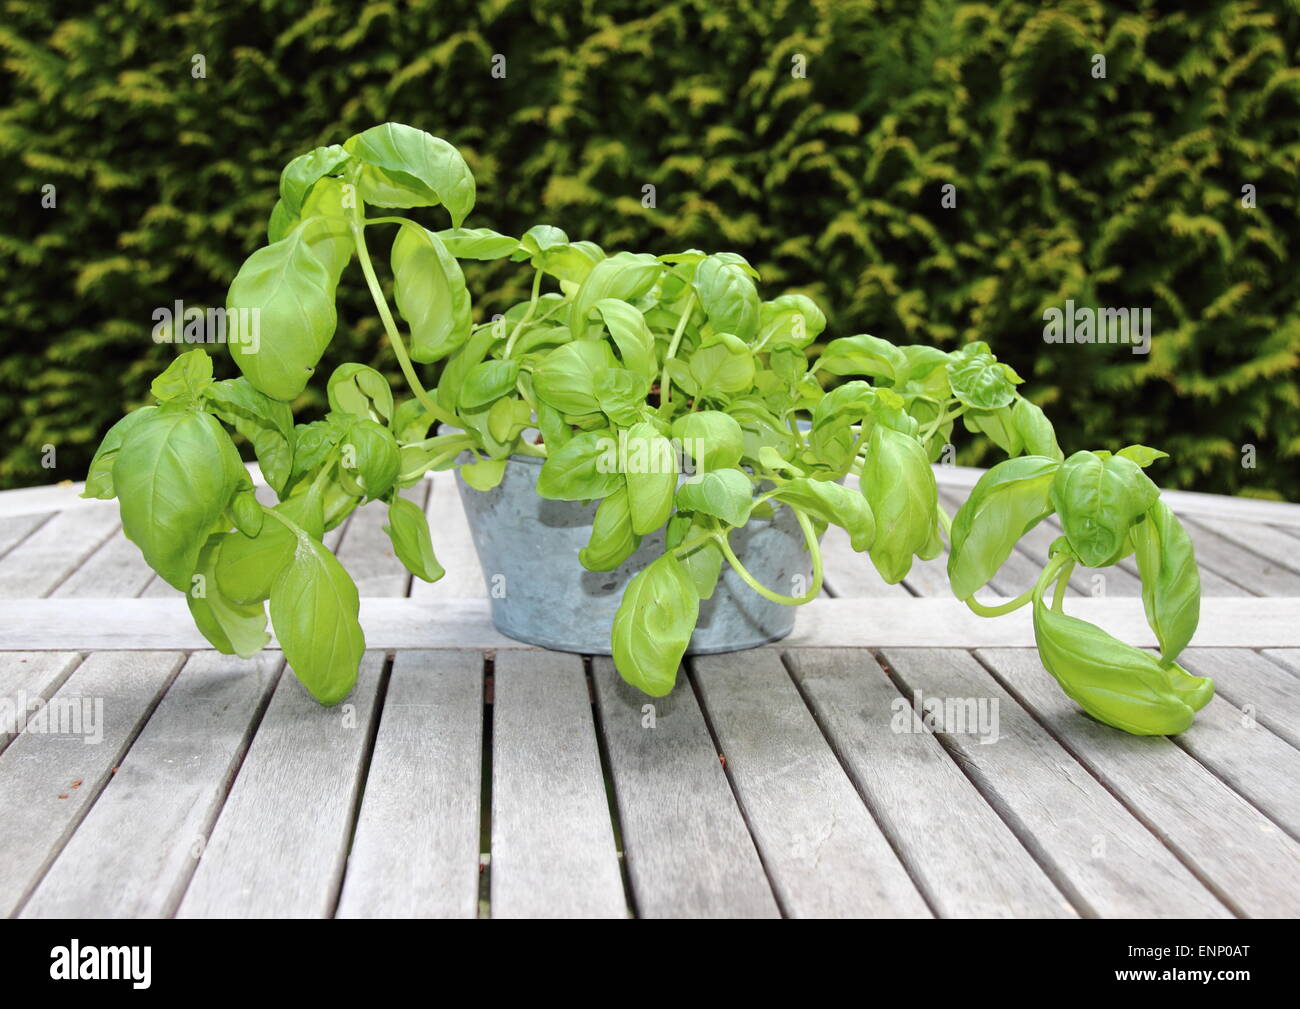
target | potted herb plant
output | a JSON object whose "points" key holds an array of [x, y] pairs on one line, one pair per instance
{"points": [[655, 407]]}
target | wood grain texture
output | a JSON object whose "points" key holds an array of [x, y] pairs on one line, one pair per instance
{"points": [[415, 852], [16, 528], [1244, 857], [115, 570], [279, 845], [95, 624], [1261, 575], [27, 677], [825, 855], [52, 552], [1251, 759], [688, 852], [49, 779], [553, 852], [1252, 682], [134, 853], [1105, 861], [964, 858]]}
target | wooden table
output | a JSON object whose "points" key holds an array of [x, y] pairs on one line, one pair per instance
{"points": [[468, 775]]}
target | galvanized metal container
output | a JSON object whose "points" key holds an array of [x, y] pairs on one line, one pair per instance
{"points": [[540, 593]]}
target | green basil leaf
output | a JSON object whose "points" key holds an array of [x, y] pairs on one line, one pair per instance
{"points": [[430, 291], [1115, 683], [247, 566], [1171, 582], [247, 512], [792, 321], [370, 457], [361, 392], [998, 425], [1035, 431], [412, 543], [571, 263], [627, 327], [266, 423], [326, 227], [723, 367], [406, 167], [713, 439], [99, 478], [411, 422], [1142, 455], [487, 382], [232, 628], [566, 377], [582, 469], [728, 297], [280, 223], [304, 171], [653, 626], [314, 610], [865, 355], [622, 395], [483, 476], [900, 488], [477, 243], [702, 563], [1006, 502], [625, 277], [724, 494], [834, 503], [928, 367], [978, 380], [292, 295], [1098, 500], [541, 237], [650, 465], [174, 476], [185, 379], [612, 539]]}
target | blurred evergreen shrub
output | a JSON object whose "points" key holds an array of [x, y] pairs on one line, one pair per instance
{"points": [[1122, 191]]}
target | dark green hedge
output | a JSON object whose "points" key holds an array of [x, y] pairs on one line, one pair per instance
{"points": [[1122, 191]]}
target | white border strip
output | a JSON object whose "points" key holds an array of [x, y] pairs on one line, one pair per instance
{"points": [[133, 624]]}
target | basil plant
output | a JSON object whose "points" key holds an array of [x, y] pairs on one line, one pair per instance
{"points": [[663, 387]]}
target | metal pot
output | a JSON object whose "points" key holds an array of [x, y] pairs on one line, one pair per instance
{"points": [[541, 594]]}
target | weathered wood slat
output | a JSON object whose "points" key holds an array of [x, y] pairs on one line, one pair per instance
{"points": [[1259, 539], [133, 854], [1251, 864], [280, 842], [48, 780], [825, 855], [1105, 861], [964, 858], [687, 850], [553, 852], [45, 558], [367, 553], [1250, 681], [93, 625], [1250, 758], [27, 678], [415, 852], [115, 570], [1288, 659], [452, 545], [1262, 575], [16, 528]]}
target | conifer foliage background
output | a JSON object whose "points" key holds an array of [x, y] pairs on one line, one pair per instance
{"points": [[1123, 191]]}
